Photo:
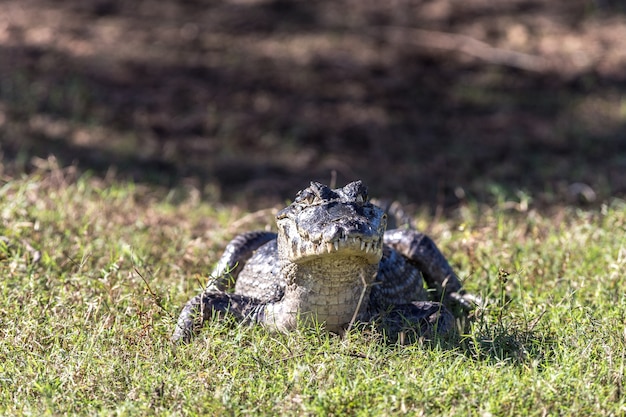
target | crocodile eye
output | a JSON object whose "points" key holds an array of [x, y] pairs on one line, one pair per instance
{"points": [[305, 197], [361, 197]]}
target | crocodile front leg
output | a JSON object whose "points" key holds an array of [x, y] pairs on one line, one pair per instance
{"points": [[214, 299], [237, 253], [406, 323], [206, 305], [420, 250]]}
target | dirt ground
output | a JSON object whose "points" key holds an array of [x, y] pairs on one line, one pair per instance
{"points": [[432, 101]]}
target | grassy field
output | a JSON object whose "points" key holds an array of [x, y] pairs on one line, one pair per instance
{"points": [[170, 122], [95, 270]]}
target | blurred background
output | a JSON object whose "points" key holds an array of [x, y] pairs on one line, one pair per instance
{"points": [[435, 102]]}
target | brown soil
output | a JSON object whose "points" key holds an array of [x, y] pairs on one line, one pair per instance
{"points": [[431, 101]]}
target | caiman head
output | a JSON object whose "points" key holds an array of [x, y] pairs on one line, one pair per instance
{"points": [[322, 222], [329, 245]]}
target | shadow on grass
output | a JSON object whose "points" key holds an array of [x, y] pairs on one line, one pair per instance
{"points": [[251, 100]]}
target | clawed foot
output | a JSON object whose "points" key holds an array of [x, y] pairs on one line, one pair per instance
{"points": [[418, 320], [466, 301], [208, 304]]}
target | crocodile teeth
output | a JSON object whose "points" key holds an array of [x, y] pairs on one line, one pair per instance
{"points": [[336, 245], [362, 245], [329, 247]]}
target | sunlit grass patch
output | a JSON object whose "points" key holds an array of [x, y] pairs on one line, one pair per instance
{"points": [[95, 271]]}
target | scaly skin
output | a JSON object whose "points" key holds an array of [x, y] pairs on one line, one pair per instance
{"points": [[331, 262]]}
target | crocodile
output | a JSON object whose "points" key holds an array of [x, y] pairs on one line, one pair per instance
{"points": [[332, 262]]}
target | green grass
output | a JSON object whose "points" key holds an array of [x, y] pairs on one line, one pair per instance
{"points": [[82, 333]]}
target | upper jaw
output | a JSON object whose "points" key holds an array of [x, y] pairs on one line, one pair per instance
{"points": [[361, 238], [370, 250]]}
